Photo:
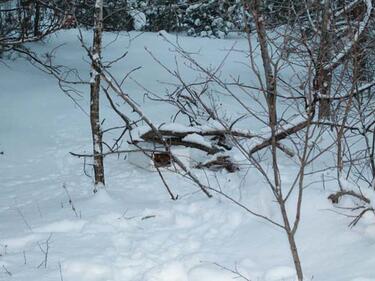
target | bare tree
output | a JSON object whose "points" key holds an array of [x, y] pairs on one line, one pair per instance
{"points": [[334, 31], [195, 101], [96, 131]]}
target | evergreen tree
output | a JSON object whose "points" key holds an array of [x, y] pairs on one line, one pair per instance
{"points": [[213, 18]]}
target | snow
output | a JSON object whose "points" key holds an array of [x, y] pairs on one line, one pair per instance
{"points": [[86, 271], [16, 244], [95, 57], [61, 226], [173, 271], [210, 273], [139, 19], [176, 127], [98, 3], [281, 273], [143, 159], [131, 230], [198, 139]]}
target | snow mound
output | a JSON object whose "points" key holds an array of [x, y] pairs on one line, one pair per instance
{"points": [[210, 272], [86, 271], [198, 139], [281, 273], [370, 232], [173, 271], [19, 243], [101, 198], [62, 226]]}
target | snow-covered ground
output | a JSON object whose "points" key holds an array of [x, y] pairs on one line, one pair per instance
{"points": [[53, 228]]}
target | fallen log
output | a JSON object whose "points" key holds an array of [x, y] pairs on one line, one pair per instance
{"points": [[178, 137], [176, 141], [221, 162], [335, 197]]}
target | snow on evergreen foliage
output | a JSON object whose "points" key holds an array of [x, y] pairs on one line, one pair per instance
{"points": [[116, 18], [209, 18], [161, 14], [213, 18], [139, 19]]}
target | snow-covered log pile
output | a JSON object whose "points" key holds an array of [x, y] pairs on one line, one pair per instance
{"points": [[212, 141]]}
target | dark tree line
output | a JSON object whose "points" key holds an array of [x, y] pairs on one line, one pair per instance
{"points": [[26, 21], [210, 18]]}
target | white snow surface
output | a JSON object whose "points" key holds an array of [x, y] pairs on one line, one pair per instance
{"points": [[131, 230], [198, 139]]}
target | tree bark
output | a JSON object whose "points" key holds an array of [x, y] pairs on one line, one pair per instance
{"points": [[323, 77], [37, 19], [96, 131], [271, 94]]}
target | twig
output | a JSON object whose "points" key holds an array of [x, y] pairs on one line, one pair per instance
{"points": [[70, 201], [148, 217], [335, 197], [45, 252], [7, 271], [24, 219], [165, 184], [361, 214], [60, 271], [234, 271]]}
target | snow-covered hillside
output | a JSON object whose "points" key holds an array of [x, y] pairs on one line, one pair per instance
{"points": [[52, 227]]}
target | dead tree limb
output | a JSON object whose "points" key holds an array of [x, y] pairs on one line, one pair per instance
{"points": [[221, 162], [335, 197], [280, 136]]}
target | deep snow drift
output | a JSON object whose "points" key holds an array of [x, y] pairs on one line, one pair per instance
{"points": [[132, 231]]}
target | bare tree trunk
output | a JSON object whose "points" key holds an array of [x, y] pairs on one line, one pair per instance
{"points": [[291, 239], [359, 49], [271, 94], [360, 60], [37, 19], [323, 77], [94, 95]]}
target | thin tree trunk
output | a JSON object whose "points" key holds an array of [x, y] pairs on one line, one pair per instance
{"points": [[94, 96], [323, 77], [37, 19], [271, 94], [291, 239]]}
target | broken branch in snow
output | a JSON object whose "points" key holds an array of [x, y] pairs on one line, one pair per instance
{"points": [[45, 251], [166, 184], [70, 201], [360, 215], [179, 138], [221, 162], [202, 132], [234, 271], [335, 197], [7, 271], [176, 137]]}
